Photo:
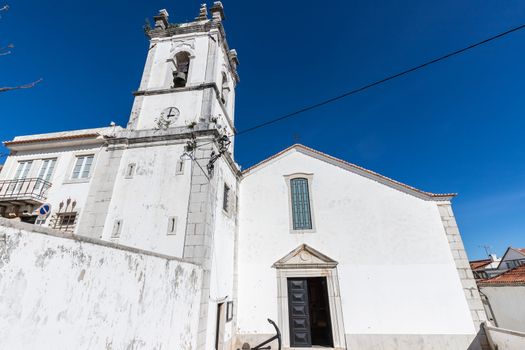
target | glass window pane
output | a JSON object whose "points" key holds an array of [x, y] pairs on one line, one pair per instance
{"points": [[25, 171], [301, 214], [78, 166], [19, 170], [87, 166], [43, 168], [50, 169]]}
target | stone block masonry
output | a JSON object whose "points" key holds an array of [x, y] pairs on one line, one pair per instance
{"points": [[464, 271], [93, 217], [198, 243], [62, 291]]}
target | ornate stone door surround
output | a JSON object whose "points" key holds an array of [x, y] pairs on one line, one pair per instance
{"points": [[304, 261]]}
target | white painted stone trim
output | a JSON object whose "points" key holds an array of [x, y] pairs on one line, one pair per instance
{"points": [[465, 274], [309, 177], [334, 300]]}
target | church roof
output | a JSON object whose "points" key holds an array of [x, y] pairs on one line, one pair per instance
{"points": [[353, 168]]}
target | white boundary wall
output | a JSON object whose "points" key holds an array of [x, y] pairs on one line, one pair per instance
{"points": [[61, 291]]}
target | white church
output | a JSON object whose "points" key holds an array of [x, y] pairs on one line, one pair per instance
{"points": [[152, 237]]}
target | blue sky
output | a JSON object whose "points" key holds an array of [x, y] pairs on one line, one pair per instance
{"points": [[457, 126]]}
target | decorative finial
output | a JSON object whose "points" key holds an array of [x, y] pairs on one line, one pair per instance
{"points": [[217, 11], [232, 54], [203, 13], [161, 19]]}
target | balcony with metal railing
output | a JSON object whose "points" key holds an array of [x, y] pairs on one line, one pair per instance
{"points": [[31, 191]]}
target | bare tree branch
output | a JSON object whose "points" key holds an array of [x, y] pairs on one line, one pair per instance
{"points": [[25, 86], [4, 51]]}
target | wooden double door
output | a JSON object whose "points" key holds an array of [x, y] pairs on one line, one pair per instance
{"points": [[309, 312]]}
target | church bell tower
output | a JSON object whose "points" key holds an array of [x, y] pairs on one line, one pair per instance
{"points": [[190, 76], [179, 145]]}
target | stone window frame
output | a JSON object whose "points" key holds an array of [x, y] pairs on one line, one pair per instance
{"points": [[179, 167], [225, 89], [130, 170], [173, 65], [334, 302], [309, 178], [229, 204], [116, 231], [172, 226]]}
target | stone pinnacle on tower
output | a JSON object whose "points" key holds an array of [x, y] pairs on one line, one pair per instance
{"points": [[203, 13]]}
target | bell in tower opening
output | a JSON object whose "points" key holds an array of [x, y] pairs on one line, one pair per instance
{"points": [[180, 75]]}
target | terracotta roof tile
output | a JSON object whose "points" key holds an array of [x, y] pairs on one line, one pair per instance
{"points": [[477, 264], [515, 276]]}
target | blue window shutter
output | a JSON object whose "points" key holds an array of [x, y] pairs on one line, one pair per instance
{"points": [[302, 217]]}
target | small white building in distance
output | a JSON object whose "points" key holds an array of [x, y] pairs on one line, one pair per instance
{"points": [[340, 257], [504, 299]]}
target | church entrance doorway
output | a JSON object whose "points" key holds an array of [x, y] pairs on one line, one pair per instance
{"points": [[309, 312]]}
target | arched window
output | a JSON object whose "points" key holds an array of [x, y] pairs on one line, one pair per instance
{"points": [[300, 196], [225, 89], [182, 67]]}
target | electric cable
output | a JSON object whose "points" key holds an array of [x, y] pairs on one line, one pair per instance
{"points": [[378, 82]]}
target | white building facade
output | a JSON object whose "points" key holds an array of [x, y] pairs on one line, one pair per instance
{"points": [[340, 257]]}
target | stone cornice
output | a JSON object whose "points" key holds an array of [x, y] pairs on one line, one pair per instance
{"points": [[196, 27], [191, 88], [140, 138]]}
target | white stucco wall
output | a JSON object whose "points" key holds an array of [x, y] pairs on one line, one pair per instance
{"points": [[396, 271], [146, 200], [62, 292], [508, 305], [222, 270]]}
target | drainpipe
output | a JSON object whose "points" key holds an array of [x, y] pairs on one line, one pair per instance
{"points": [[485, 298]]}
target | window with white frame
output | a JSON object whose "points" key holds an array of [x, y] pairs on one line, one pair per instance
{"points": [[46, 171], [23, 169], [21, 173], [82, 168], [300, 202], [47, 168]]}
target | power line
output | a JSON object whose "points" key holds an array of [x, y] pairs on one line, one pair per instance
{"points": [[378, 82]]}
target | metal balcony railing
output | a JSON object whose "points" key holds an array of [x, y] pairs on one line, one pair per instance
{"points": [[28, 191]]}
